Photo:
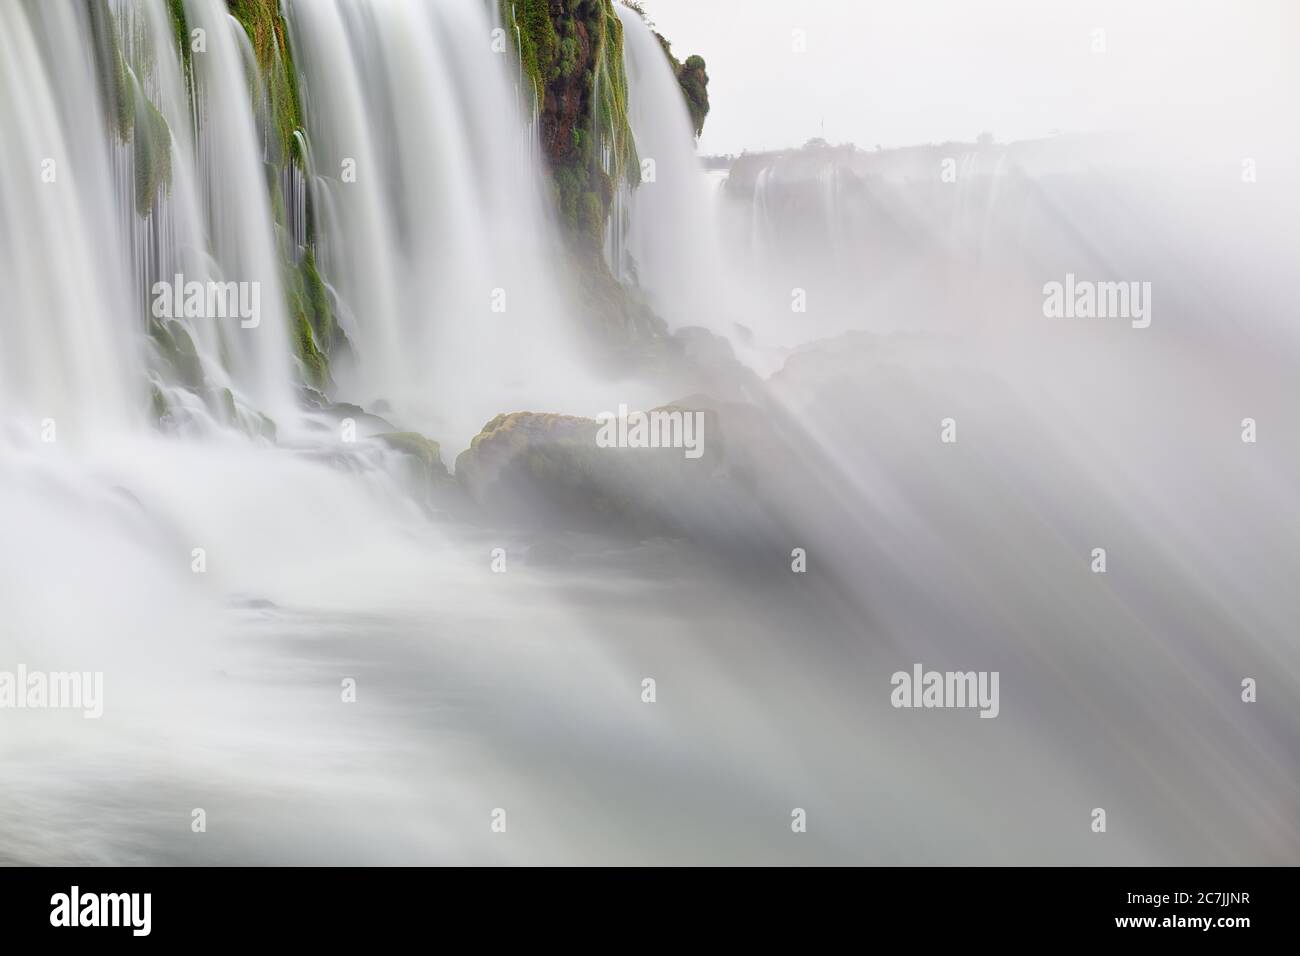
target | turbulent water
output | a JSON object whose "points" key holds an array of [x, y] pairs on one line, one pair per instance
{"points": [[478, 690]]}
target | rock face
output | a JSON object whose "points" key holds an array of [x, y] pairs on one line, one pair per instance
{"points": [[572, 53]]}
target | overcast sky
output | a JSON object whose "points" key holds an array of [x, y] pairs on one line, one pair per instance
{"points": [[901, 72]]}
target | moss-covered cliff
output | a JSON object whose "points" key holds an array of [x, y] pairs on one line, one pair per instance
{"points": [[691, 75], [266, 29], [571, 55], [693, 78]]}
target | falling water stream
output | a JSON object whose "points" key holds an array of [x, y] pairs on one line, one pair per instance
{"points": [[478, 690]]}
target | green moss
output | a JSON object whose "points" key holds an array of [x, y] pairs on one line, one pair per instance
{"points": [[115, 83], [315, 366], [177, 351], [548, 470], [694, 81], [316, 334], [133, 117], [569, 54], [181, 28], [536, 38], [318, 302], [693, 78], [153, 154], [571, 51], [610, 89], [425, 450], [591, 218], [269, 36]]}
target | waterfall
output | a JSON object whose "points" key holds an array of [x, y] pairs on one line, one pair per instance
{"points": [[433, 224], [671, 246], [186, 507], [428, 219], [69, 349], [217, 203]]}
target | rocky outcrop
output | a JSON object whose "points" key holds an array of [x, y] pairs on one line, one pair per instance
{"points": [[571, 53], [527, 469], [693, 78]]}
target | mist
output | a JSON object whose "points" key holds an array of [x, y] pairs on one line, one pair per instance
{"points": [[363, 585]]}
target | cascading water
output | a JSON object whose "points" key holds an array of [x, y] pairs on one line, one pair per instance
{"points": [[207, 218], [181, 512], [432, 223], [171, 554], [70, 352], [670, 244], [131, 547]]}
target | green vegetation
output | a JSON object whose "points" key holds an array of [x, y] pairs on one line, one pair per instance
{"points": [[694, 81], [153, 154], [315, 365], [571, 52], [611, 102], [177, 351], [115, 83], [426, 453], [536, 38], [315, 331], [316, 334], [269, 36], [693, 78], [181, 28], [133, 117]]}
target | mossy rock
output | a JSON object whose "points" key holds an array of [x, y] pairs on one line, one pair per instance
{"points": [[269, 36], [693, 78], [424, 450], [434, 486], [314, 364], [115, 81], [178, 352], [181, 31], [544, 470], [152, 142], [571, 53]]}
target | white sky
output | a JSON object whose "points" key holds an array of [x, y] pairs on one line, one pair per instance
{"points": [[902, 72]]}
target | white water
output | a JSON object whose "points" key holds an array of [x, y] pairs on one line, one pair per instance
{"points": [[445, 218], [672, 241], [230, 203], [522, 690], [220, 692], [64, 354]]}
